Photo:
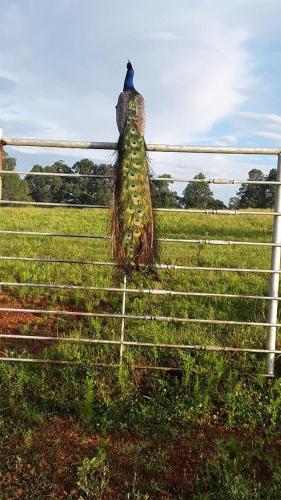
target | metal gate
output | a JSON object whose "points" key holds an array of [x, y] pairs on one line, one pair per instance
{"points": [[272, 298]]}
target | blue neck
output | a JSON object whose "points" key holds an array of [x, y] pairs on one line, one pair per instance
{"points": [[129, 83]]}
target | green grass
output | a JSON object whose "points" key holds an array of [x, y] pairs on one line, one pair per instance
{"points": [[187, 422]]}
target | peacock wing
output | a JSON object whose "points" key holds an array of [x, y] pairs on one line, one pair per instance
{"points": [[122, 110], [140, 112]]}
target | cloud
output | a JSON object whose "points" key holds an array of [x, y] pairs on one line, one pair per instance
{"points": [[268, 135], [200, 85], [268, 118], [162, 36]]}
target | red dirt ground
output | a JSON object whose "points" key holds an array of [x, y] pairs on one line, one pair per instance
{"points": [[26, 324], [60, 446]]}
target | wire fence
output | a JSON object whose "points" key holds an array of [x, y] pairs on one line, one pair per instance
{"points": [[272, 299]]}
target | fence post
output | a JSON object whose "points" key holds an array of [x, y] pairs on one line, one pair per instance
{"points": [[1, 161], [272, 316], [123, 310]]}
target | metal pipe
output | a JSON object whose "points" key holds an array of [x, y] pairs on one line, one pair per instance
{"points": [[61, 235], [212, 211], [219, 242], [168, 240], [74, 340], [50, 204], [173, 267], [165, 148], [57, 362], [274, 278], [150, 291], [123, 311], [168, 319], [152, 178], [54, 174], [200, 347]]}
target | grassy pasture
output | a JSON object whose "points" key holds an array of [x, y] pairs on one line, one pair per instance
{"points": [[177, 225], [209, 432]]}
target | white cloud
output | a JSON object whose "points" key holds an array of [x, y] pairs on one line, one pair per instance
{"points": [[268, 118], [161, 35], [201, 85], [268, 135]]}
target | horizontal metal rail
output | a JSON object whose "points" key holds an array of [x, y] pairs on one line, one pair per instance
{"points": [[173, 267], [215, 211], [94, 365], [150, 291], [165, 148], [50, 204], [212, 211], [168, 319], [219, 242], [61, 235], [54, 174], [57, 362], [137, 344], [167, 240], [152, 178]]}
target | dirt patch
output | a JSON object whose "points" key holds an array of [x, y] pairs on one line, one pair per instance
{"points": [[19, 323], [58, 447]]}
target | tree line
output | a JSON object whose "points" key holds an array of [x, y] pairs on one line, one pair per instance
{"points": [[98, 190]]}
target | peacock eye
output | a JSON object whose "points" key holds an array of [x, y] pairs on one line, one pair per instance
{"points": [[132, 173], [139, 210]]}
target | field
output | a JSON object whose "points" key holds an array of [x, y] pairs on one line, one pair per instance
{"points": [[211, 430]]}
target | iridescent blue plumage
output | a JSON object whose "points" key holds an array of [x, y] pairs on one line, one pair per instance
{"points": [[129, 80]]}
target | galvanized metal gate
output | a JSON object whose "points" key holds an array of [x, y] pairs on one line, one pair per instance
{"points": [[274, 272]]}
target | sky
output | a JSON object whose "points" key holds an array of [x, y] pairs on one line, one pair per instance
{"points": [[209, 71]]}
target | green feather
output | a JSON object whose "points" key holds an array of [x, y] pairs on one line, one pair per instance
{"points": [[132, 223]]}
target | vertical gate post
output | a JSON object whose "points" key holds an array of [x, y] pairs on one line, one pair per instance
{"points": [[1, 161], [123, 310], [274, 277]]}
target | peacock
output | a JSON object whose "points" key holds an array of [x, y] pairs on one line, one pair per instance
{"points": [[133, 227]]}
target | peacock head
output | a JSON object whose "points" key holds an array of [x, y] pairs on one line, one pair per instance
{"points": [[129, 80]]}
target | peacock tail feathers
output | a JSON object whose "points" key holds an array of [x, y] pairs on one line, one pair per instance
{"points": [[133, 228]]}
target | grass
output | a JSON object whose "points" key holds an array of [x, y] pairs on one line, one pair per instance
{"points": [[211, 431]]}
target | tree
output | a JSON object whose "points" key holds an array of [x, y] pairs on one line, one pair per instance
{"points": [[162, 196], [13, 187], [234, 203], [197, 194], [49, 189], [81, 190], [253, 195], [92, 191], [270, 190], [217, 204]]}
